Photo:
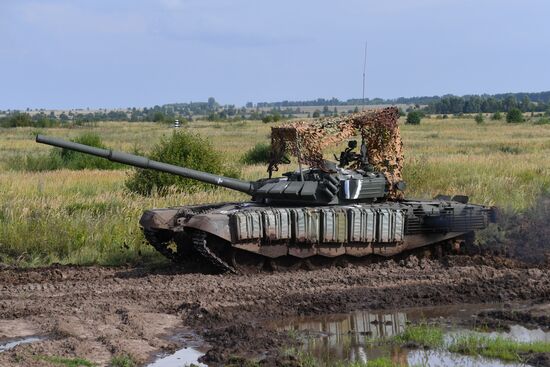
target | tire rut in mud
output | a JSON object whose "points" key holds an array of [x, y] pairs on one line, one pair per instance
{"points": [[67, 302]]}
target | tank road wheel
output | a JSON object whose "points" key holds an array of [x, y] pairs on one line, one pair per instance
{"points": [[320, 262], [469, 244], [438, 251], [246, 262], [285, 263]]}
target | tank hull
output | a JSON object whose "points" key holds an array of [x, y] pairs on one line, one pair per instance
{"points": [[356, 230]]}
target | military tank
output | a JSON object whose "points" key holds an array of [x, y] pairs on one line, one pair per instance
{"points": [[349, 208]]}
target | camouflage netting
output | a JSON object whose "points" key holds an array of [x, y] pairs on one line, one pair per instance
{"points": [[308, 139]]}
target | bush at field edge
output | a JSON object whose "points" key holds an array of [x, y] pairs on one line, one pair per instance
{"points": [[182, 149], [65, 159]]}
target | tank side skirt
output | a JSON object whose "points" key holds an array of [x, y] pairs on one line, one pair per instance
{"points": [[354, 230]]}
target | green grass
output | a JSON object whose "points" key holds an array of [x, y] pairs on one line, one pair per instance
{"points": [[432, 337], [306, 360], [377, 362], [68, 362], [499, 347], [423, 335], [235, 361], [87, 216], [123, 360]]}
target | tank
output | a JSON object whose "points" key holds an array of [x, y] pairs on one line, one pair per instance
{"points": [[350, 208]]}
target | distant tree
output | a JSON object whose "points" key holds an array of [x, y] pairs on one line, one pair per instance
{"points": [[211, 103], [510, 102], [414, 117], [316, 114], [514, 115], [20, 119], [479, 118], [497, 116], [267, 119], [158, 116], [356, 109], [525, 104]]}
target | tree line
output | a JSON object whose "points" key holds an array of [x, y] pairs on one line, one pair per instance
{"points": [[489, 104], [538, 98], [275, 111]]}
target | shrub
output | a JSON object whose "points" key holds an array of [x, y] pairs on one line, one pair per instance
{"points": [[123, 360], [158, 117], [76, 161], [510, 149], [414, 117], [65, 159], [267, 119], [514, 115], [16, 120], [479, 118], [260, 153], [497, 116], [182, 149]]}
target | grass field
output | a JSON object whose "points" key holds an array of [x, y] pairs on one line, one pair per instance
{"points": [[86, 217]]}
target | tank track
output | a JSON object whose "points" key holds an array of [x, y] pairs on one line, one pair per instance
{"points": [[200, 245], [160, 244]]}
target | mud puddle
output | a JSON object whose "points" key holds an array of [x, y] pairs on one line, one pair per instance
{"points": [[349, 337], [181, 358], [10, 344], [193, 349]]}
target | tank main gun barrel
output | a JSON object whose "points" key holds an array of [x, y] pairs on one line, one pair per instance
{"points": [[143, 162]]}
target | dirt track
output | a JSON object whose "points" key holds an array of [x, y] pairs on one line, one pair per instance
{"points": [[95, 313]]}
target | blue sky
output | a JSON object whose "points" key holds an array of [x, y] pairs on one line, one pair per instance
{"points": [[99, 53]]}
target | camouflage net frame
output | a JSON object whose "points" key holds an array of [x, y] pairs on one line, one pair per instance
{"points": [[307, 140]]}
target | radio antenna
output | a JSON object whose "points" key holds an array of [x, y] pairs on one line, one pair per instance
{"points": [[364, 69]]}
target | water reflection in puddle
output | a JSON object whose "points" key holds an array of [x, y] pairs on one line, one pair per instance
{"points": [[183, 357], [14, 343], [187, 356], [522, 334], [432, 358], [349, 337]]}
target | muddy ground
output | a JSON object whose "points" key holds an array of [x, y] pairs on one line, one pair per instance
{"points": [[97, 312]]}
